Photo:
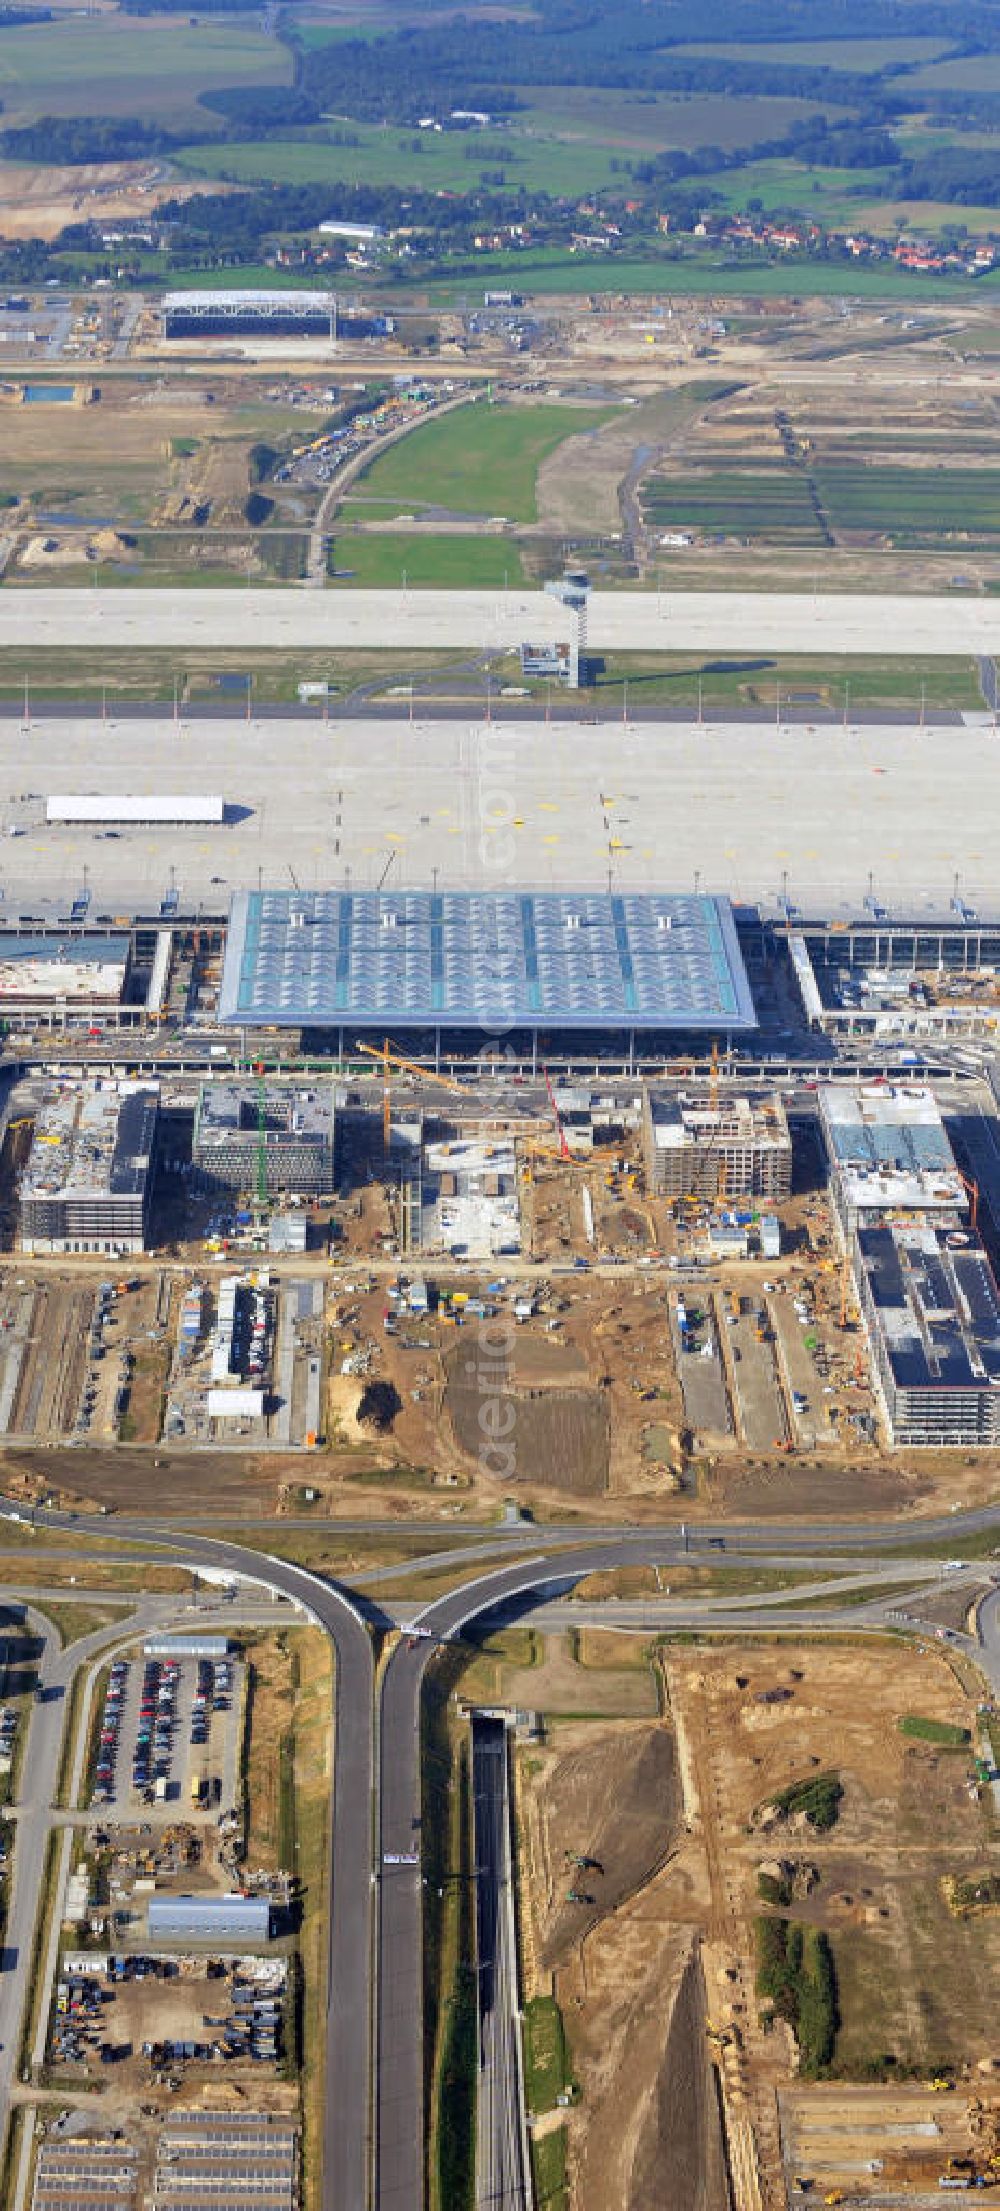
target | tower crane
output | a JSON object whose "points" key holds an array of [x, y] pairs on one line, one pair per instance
{"points": [[390, 1059], [564, 1150], [973, 1193]]}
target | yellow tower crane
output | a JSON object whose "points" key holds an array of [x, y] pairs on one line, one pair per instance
{"points": [[390, 1059]]}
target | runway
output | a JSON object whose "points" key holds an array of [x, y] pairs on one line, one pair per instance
{"points": [[292, 619]]}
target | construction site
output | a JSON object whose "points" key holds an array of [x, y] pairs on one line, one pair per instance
{"points": [[664, 1859]]}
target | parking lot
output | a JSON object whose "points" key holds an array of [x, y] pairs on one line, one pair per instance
{"points": [[699, 1367], [806, 1388], [169, 1736], [757, 1395], [169, 2012]]}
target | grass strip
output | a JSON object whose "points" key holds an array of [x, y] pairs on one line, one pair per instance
{"points": [[546, 2068], [548, 2162], [941, 1732], [39, 1947], [449, 1978]]}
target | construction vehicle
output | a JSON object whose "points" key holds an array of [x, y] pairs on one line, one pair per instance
{"points": [[836, 2195]]}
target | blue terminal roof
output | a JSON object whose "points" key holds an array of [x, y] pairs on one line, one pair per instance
{"points": [[488, 960]]}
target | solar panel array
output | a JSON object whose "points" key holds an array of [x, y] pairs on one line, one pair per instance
{"points": [[500, 960], [227, 2161], [81, 2174]]}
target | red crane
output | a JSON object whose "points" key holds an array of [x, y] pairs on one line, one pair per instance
{"points": [[564, 1150]]}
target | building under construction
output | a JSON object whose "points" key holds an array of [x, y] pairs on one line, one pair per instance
{"points": [[932, 1312], [889, 1153], [266, 1140], [735, 1148], [87, 1183]]}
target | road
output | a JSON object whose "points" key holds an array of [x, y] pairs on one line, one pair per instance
{"points": [[501, 2166], [293, 619], [346, 2144], [386, 1760]]}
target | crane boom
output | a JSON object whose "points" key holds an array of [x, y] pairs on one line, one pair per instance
{"points": [[972, 1187], [564, 1150], [389, 1058]]}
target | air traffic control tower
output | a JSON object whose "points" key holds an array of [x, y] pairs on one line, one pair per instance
{"points": [[566, 659]]}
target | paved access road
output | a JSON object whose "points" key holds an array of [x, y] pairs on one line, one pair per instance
{"points": [[501, 2165], [494, 621], [388, 1762], [39, 1772], [346, 2151]]}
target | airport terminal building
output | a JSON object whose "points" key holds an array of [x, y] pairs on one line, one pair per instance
{"points": [[481, 965]]}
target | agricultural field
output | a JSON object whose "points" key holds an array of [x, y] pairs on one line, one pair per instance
{"points": [[915, 478], [833, 503], [154, 67], [653, 122], [722, 277], [570, 142], [773, 504], [480, 460], [417, 160], [972, 73], [836, 198], [860, 56]]}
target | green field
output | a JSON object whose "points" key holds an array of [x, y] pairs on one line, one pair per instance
{"points": [[859, 56], [414, 160], [973, 73], [149, 66], [565, 142], [837, 198], [830, 196], [913, 506], [770, 503], [651, 122], [696, 275], [898, 681], [382, 562], [908, 507], [479, 460]]}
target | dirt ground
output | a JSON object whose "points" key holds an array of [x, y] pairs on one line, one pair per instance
{"points": [[915, 1988], [36, 202], [191, 1482], [122, 455], [664, 1828], [624, 1967]]}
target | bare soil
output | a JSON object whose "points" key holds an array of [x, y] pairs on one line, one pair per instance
{"points": [[38, 202], [618, 1802], [625, 1968], [680, 2160]]}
